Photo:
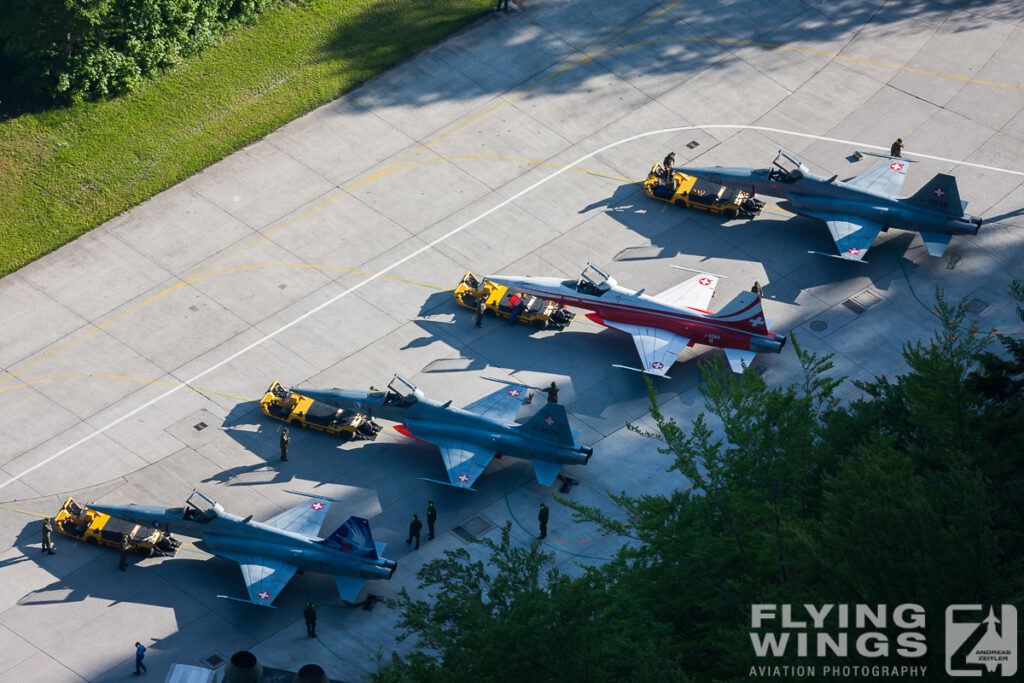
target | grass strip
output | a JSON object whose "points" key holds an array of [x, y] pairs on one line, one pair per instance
{"points": [[65, 171]]}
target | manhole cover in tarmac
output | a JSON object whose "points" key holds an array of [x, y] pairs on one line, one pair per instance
{"points": [[213, 660], [819, 325], [692, 143]]}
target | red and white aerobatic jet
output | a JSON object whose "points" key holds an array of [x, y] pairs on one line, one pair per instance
{"points": [[665, 324]]}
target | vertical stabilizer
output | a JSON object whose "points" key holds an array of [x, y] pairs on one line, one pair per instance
{"points": [[745, 313], [353, 537], [939, 194]]}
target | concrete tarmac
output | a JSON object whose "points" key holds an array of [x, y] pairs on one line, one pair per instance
{"points": [[324, 255]]}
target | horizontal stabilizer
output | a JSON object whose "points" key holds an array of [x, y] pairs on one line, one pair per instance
{"points": [[935, 242], [551, 423], [939, 194], [546, 471], [248, 602], [739, 359], [349, 587], [447, 483], [354, 538]]}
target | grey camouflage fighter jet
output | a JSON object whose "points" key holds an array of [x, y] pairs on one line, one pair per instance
{"points": [[856, 210], [270, 552], [469, 438]]}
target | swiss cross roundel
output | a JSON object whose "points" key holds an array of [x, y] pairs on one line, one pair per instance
{"points": [[938, 192], [263, 595], [463, 478], [317, 505], [853, 251], [513, 392], [657, 365], [896, 166], [549, 421], [705, 281]]}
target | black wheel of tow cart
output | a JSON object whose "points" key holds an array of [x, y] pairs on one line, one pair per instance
{"points": [[730, 213], [540, 324]]}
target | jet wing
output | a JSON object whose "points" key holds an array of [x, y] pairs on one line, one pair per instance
{"points": [[306, 518], [853, 235], [886, 178], [658, 348], [694, 293], [464, 461], [503, 405], [264, 577]]}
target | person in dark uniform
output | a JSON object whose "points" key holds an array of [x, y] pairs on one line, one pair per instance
{"points": [[284, 443], [414, 530], [125, 547], [140, 652], [431, 518], [552, 392], [481, 308], [310, 615], [47, 543], [502, 5], [897, 148], [756, 289], [542, 517], [668, 164]]}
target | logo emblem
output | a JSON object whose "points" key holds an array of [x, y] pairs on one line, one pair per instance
{"points": [[938, 192], [549, 421], [513, 392], [754, 322], [263, 595], [704, 281], [896, 166], [853, 251], [974, 641], [657, 365], [463, 478], [317, 505]]}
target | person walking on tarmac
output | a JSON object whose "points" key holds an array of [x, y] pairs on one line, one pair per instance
{"points": [[125, 547], [284, 443], [897, 148], [140, 652], [552, 392], [542, 517], [414, 530], [47, 543], [310, 615], [431, 519]]}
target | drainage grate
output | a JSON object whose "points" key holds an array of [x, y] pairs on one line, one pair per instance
{"points": [[862, 301], [977, 306], [200, 427], [473, 528], [213, 660], [819, 325], [692, 144]]}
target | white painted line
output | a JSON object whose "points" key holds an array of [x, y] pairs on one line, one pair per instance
{"points": [[444, 237]]}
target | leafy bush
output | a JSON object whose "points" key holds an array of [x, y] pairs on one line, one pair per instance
{"points": [[72, 50]]}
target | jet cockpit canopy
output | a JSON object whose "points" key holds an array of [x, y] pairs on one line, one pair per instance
{"points": [[594, 281], [200, 508], [402, 392], [788, 170]]}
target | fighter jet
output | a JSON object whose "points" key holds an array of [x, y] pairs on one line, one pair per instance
{"points": [[270, 552], [855, 210], [665, 324], [469, 438]]}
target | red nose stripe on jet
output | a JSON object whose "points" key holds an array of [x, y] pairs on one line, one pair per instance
{"points": [[404, 431], [594, 317]]}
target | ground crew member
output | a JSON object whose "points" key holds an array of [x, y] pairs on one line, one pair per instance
{"points": [[502, 4], [668, 164], [47, 543], [140, 652], [481, 308], [897, 148], [310, 614], [414, 531], [552, 392], [517, 311], [513, 301], [284, 443], [542, 517], [431, 518], [125, 547], [756, 289]]}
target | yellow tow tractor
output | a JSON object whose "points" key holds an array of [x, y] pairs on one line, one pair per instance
{"points": [[541, 313], [685, 190], [302, 411], [96, 528]]}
